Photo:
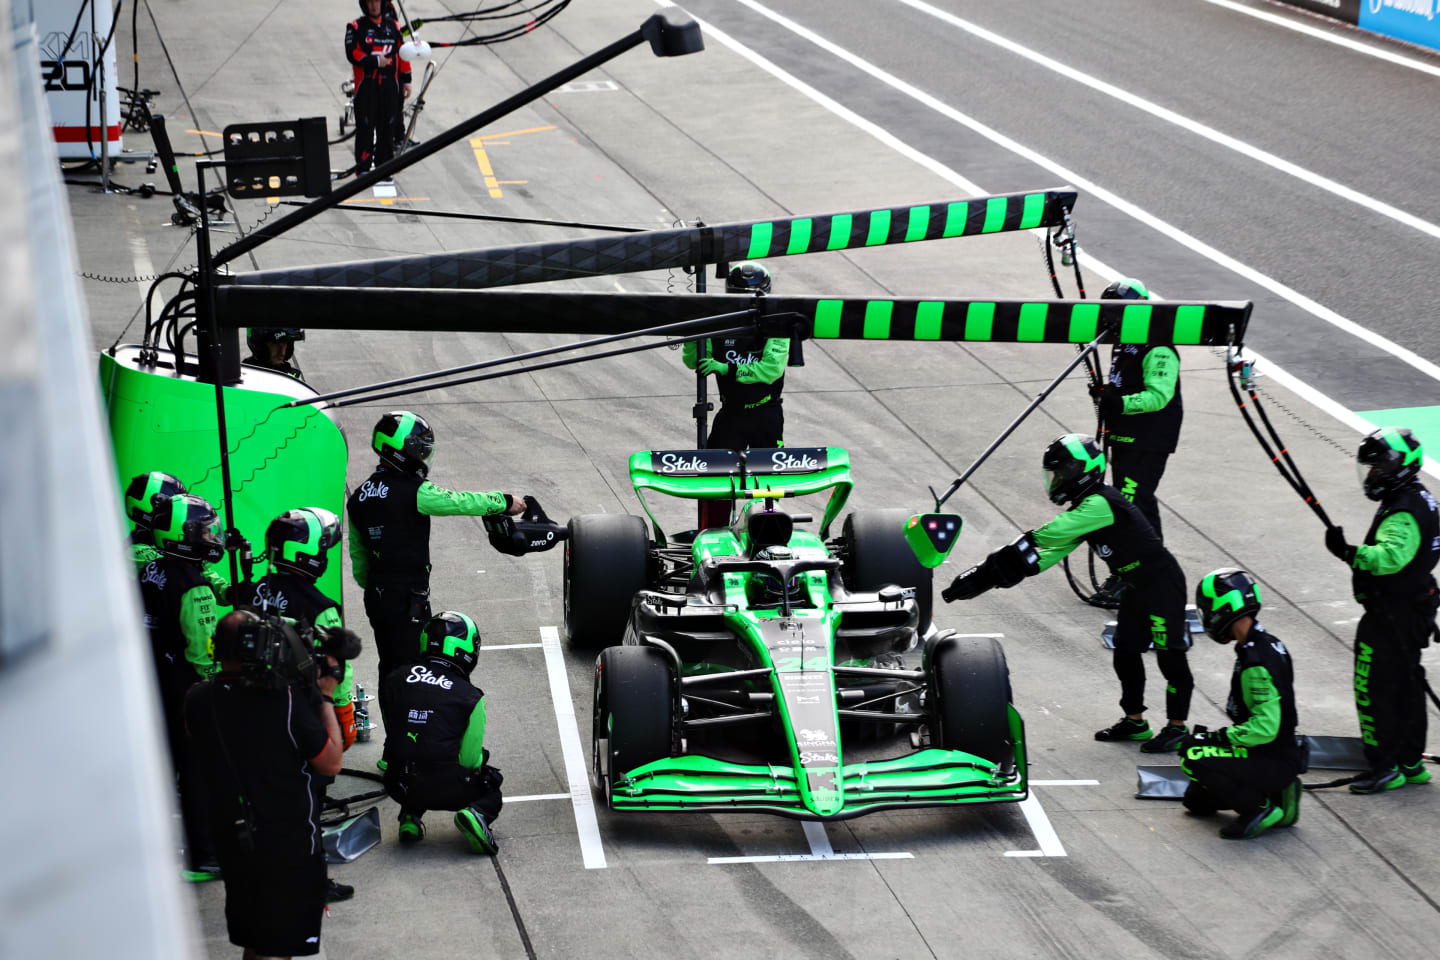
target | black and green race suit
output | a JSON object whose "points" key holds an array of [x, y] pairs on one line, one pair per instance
{"points": [[1237, 767], [1152, 600], [1140, 440], [750, 403], [1392, 577]]}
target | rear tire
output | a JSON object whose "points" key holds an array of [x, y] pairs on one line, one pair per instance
{"points": [[634, 712], [606, 559], [970, 697], [879, 555]]}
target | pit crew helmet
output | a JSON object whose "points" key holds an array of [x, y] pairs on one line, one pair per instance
{"points": [[259, 338], [299, 541], [1389, 458], [1127, 289], [1224, 596], [748, 277], [1073, 465], [144, 494], [452, 636], [187, 527], [405, 441]]}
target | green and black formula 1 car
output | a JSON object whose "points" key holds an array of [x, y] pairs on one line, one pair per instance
{"points": [[748, 655]]}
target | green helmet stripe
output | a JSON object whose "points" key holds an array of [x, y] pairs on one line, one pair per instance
{"points": [[1078, 451], [311, 544], [1391, 435], [179, 512], [453, 644], [396, 439], [153, 483], [1234, 599]]}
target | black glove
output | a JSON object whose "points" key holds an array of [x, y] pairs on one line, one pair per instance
{"points": [[1110, 402], [968, 585], [1201, 737], [1335, 543]]}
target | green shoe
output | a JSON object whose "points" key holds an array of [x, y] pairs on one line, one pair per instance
{"points": [[477, 831], [1250, 826], [1415, 772], [381, 765], [1289, 803], [1125, 729], [1378, 781], [412, 829], [201, 874]]}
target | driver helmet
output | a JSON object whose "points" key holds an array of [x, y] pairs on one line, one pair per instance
{"points": [[1072, 466], [748, 277], [766, 589], [299, 541], [260, 338], [405, 441], [187, 527], [145, 493], [451, 636], [1127, 289], [1224, 596], [1389, 458]]}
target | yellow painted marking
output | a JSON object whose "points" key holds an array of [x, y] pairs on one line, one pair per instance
{"points": [[512, 181], [385, 200], [272, 200], [514, 133], [207, 133]]}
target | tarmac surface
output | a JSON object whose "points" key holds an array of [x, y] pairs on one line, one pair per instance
{"points": [[1082, 869]]}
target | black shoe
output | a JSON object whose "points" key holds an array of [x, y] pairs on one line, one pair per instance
{"points": [[336, 892], [1108, 596], [1125, 729], [1167, 740], [1248, 826], [1378, 781]]}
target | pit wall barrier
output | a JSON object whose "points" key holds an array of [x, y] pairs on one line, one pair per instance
{"points": [[1413, 21]]}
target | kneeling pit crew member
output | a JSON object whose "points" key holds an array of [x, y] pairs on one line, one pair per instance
{"points": [[180, 612], [1152, 602], [1251, 766], [435, 756], [1392, 578], [389, 516], [263, 743]]}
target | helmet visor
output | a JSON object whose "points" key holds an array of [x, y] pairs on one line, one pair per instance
{"points": [[1050, 477]]}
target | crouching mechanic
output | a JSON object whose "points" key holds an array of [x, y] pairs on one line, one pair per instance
{"points": [[1251, 766], [390, 533], [1152, 603], [1392, 577], [435, 756]]}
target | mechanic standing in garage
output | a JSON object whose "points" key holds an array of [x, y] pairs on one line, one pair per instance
{"points": [[1141, 409], [749, 371], [389, 516], [1391, 577], [1152, 609], [435, 756], [1251, 766], [382, 79]]}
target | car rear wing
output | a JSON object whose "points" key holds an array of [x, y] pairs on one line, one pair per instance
{"points": [[735, 474]]}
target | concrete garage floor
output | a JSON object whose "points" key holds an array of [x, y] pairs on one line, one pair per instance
{"points": [[1082, 869]]}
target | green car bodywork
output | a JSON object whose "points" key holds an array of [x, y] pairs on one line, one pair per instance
{"points": [[789, 646]]}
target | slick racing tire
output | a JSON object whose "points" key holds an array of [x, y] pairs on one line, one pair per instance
{"points": [[606, 558], [634, 713], [879, 556], [970, 697]]}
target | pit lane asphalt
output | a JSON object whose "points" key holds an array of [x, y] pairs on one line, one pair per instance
{"points": [[714, 137]]}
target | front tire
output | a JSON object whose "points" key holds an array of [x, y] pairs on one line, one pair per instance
{"points": [[970, 697], [634, 713], [606, 558]]}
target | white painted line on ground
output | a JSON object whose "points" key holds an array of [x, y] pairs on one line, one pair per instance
{"points": [[1050, 845], [1170, 116], [579, 781], [997, 636], [140, 257], [1339, 39], [538, 796], [820, 849], [1337, 410], [1064, 783], [509, 646]]}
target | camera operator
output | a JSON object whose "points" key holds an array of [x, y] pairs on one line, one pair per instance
{"points": [[265, 727], [297, 547], [435, 752]]}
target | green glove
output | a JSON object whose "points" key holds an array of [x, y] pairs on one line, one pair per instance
{"points": [[718, 367]]}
